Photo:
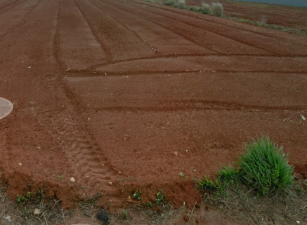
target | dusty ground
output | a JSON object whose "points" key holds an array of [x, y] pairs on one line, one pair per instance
{"points": [[125, 95]]}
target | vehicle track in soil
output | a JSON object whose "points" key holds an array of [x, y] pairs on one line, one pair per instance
{"points": [[108, 91]]}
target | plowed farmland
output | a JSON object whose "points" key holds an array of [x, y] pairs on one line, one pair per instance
{"points": [[125, 95]]}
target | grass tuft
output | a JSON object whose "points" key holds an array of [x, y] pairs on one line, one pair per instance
{"points": [[217, 9], [265, 167]]}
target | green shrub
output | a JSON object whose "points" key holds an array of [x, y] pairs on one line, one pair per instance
{"points": [[195, 8], [180, 4], [265, 167], [205, 8], [217, 9]]}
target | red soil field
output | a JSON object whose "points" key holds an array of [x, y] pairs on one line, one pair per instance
{"points": [[125, 95], [286, 16]]}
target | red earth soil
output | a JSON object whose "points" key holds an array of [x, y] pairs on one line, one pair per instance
{"points": [[286, 16], [125, 95]]}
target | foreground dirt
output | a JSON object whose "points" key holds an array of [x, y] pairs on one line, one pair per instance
{"points": [[125, 95]]}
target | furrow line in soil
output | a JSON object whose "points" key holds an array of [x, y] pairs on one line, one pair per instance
{"points": [[12, 21], [57, 39], [79, 48], [176, 31], [263, 37], [80, 73], [196, 34], [9, 5], [244, 38], [126, 26], [256, 12], [161, 40], [176, 56], [121, 42], [203, 105]]}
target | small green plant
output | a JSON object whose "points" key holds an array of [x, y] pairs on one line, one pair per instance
{"points": [[159, 198], [125, 214], [205, 8], [26, 212], [137, 194], [170, 2], [21, 199], [217, 9], [264, 167], [60, 177], [149, 204], [227, 174], [209, 185]]}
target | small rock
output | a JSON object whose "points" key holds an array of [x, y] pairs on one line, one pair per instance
{"points": [[72, 179], [119, 172], [303, 117], [129, 198], [176, 153], [37, 212], [8, 218], [20, 164], [110, 183]]}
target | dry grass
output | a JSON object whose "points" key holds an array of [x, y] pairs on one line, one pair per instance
{"points": [[242, 204], [23, 214], [217, 9]]}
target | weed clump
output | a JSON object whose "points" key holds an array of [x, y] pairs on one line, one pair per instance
{"points": [[205, 8], [265, 167], [217, 9]]}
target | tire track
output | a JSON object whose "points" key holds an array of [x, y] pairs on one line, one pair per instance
{"points": [[203, 37], [88, 165], [176, 56], [202, 105]]}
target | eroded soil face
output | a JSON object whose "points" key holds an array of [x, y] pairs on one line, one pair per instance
{"points": [[123, 95]]}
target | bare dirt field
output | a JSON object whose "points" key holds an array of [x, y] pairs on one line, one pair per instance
{"points": [[125, 95], [286, 16]]}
